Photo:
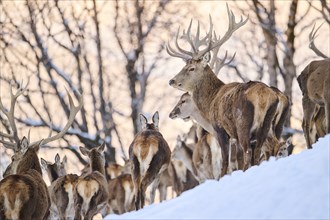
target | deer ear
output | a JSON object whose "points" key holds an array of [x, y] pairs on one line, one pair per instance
{"points": [[24, 146], [155, 119], [84, 151], [184, 137], [43, 163], [57, 159], [205, 59], [101, 147], [143, 121], [64, 160]]}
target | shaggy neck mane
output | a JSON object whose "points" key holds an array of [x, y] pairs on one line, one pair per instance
{"points": [[206, 89], [30, 161]]}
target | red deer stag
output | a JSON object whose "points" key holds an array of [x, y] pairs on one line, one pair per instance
{"points": [[150, 155], [314, 83], [61, 189], [91, 192], [23, 192], [236, 110]]}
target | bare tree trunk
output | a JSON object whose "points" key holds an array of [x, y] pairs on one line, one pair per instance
{"points": [[268, 26], [289, 68]]}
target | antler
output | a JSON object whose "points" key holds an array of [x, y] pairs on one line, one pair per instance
{"points": [[196, 42], [73, 112], [13, 136], [219, 63], [312, 37]]}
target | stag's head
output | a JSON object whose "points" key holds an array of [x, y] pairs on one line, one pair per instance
{"points": [[24, 158], [184, 108], [25, 153], [198, 61]]}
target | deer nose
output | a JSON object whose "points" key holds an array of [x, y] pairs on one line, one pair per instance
{"points": [[171, 82]]}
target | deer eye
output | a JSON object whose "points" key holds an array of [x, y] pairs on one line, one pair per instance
{"points": [[183, 101], [191, 69]]}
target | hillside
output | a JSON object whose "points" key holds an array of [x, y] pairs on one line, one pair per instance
{"points": [[296, 187]]}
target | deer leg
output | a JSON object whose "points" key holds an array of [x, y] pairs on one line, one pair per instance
{"points": [[233, 157], [77, 203], [327, 117], [223, 140], [152, 194], [143, 189], [263, 132], [308, 108], [135, 170], [240, 157], [162, 192]]}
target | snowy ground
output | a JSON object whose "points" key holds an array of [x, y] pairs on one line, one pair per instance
{"points": [[296, 187]]}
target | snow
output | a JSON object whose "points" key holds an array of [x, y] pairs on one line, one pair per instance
{"points": [[295, 187]]}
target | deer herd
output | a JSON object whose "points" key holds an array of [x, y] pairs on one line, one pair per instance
{"points": [[236, 126]]}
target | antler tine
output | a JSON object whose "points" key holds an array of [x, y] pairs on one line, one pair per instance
{"points": [[179, 48], [232, 27], [10, 116], [312, 36], [207, 37], [180, 53], [215, 52], [73, 112], [174, 53], [221, 62], [187, 36]]}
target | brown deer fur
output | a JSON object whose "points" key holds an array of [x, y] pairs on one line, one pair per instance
{"points": [[186, 109], [237, 110], [184, 153], [165, 180], [314, 83], [23, 192], [121, 195], [91, 192], [150, 156], [281, 112], [61, 189]]}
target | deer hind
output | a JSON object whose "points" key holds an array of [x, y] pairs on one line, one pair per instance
{"points": [[121, 196], [61, 189], [150, 156], [186, 109], [314, 83], [23, 192], [91, 192], [244, 111]]}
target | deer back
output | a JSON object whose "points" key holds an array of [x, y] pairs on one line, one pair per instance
{"points": [[314, 81], [91, 192], [147, 143], [61, 189]]}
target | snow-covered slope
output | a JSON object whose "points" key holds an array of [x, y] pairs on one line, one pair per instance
{"points": [[296, 187]]}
